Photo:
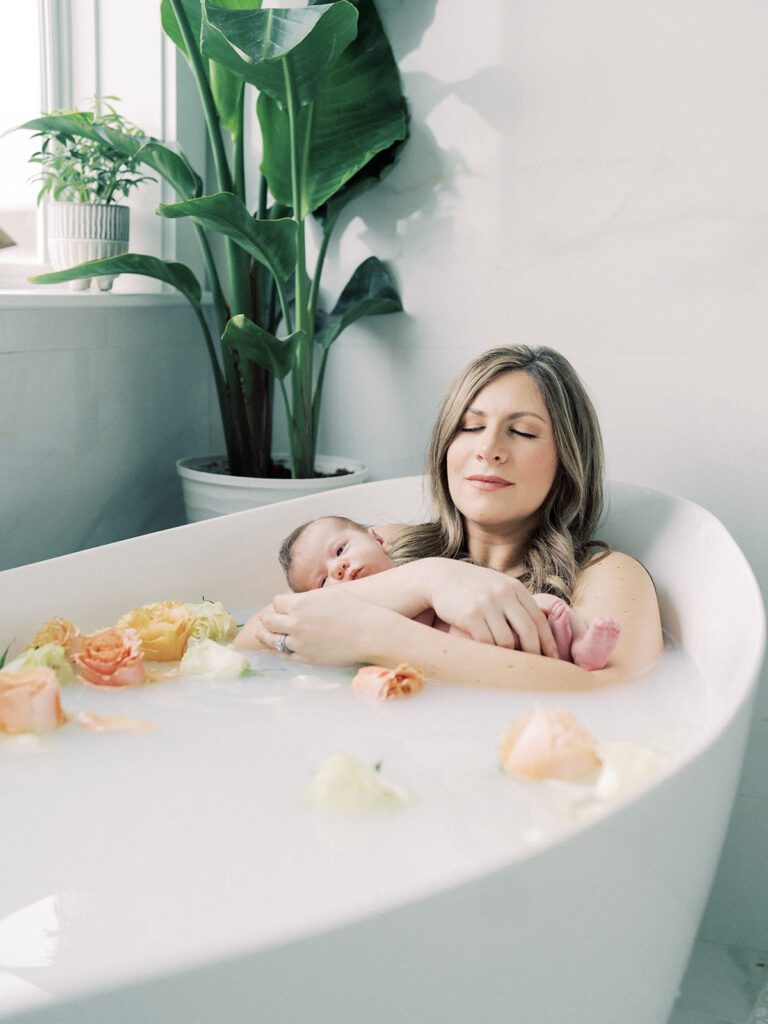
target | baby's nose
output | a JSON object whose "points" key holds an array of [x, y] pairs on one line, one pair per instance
{"points": [[341, 570]]}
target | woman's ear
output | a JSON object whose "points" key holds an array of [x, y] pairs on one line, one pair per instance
{"points": [[377, 536]]}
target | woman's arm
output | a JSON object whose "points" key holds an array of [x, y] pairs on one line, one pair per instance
{"points": [[338, 628], [491, 607]]}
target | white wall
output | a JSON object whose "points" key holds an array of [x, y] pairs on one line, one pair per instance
{"points": [[591, 176]]}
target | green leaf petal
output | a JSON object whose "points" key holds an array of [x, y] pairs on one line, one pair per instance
{"points": [[369, 291], [172, 165], [359, 113], [259, 45], [271, 242], [251, 341], [176, 274]]}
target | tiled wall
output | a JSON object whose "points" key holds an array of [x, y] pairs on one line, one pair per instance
{"points": [[99, 395]]}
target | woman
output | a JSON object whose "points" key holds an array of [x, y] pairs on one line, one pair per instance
{"points": [[516, 470]]}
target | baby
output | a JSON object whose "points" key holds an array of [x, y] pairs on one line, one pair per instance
{"points": [[334, 549]]}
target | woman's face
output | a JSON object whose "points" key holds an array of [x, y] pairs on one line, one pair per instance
{"points": [[503, 460]]}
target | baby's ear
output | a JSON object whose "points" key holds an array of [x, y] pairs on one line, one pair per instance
{"points": [[377, 536]]}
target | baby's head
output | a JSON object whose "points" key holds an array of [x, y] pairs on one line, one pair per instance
{"points": [[329, 550]]}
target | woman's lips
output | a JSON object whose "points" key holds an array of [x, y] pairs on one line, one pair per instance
{"points": [[489, 483]]}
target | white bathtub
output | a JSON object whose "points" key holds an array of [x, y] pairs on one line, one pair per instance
{"points": [[593, 926]]}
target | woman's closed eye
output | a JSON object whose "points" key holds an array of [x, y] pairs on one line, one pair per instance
{"points": [[512, 430]]}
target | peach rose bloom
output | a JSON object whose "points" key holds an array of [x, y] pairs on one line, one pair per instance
{"points": [[30, 701], [164, 628], [61, 632], [111, 657], [386, 683], [549, 744]]}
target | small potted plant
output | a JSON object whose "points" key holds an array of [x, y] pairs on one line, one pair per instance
{"points": [[332, 123], [83, 175]]}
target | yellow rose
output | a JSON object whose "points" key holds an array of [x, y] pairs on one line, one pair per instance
{"points": [[163, 627], [60, 632]]}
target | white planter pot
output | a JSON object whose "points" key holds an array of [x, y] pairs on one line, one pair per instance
{"points": [[209, 494], [78, 232]]}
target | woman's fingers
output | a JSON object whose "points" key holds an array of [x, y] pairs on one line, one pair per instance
{"points": [[544, 641]]}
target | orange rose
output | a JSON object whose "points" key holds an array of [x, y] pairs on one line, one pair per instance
{"points": [[30, 701], [111, 657], [386, 683], [60, 632], [549, 744], [163, 627]]}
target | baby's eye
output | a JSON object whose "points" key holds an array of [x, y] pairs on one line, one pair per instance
{"points": [[340, 550], [322, 583]]}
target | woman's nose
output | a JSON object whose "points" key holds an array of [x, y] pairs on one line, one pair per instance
{"points": [[490, 449]]}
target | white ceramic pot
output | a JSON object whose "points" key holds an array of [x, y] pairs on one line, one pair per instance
{"points": [[208, 494], [78, 232]]}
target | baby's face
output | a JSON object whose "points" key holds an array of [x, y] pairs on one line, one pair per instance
{"points": [[330, 551]]}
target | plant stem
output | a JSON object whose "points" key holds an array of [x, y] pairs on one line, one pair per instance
{"points": [[301, 375], [327, 229], [239, 145], [223, 174], [219, 301]]}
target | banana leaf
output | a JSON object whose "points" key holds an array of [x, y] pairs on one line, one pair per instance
{"points": [[176, 274], [226, 86], [274, 354], [268, 47], [368, 292], [359, 113], [271, 242]]}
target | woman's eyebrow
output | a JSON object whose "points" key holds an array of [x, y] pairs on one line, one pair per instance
{"points": [[512, 416]]}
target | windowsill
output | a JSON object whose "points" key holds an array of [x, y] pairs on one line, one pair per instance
{"points": [[52, 296]]}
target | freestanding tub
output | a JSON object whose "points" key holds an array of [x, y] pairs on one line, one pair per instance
{"points": [[138, 920]]}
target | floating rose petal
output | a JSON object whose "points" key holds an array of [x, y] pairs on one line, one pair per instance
{"points": [[111, 723], [386, 683], [30, 701], [549, 744]]}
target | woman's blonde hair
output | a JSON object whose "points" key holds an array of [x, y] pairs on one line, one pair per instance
{"points": [[562, 542]]}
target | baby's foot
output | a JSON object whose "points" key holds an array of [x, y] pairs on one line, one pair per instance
{"points": [[560, 624], [594, 649]]}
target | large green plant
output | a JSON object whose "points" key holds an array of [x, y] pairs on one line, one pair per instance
{"points": [[332, 120]]}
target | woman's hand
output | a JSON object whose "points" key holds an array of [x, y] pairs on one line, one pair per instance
{"points": [[488, 605], [320, 627]]}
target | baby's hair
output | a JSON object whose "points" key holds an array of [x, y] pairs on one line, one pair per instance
{"points": [[285, 554]]}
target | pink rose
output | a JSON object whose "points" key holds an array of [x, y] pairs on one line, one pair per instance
{"points": [[386, 683], [111, 657], [30, 701], [549, 744]]}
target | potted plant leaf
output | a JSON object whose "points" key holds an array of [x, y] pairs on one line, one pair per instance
{"points": [[332, 120], [84, 177]]}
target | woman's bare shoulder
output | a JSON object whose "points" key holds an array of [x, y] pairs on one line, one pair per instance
{"points": [[617, 586]]}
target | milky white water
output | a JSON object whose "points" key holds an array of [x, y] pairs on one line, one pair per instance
{"points": [[131, 853]]}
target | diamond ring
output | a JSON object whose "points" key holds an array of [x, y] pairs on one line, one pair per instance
{"points": [[281, 646]]}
